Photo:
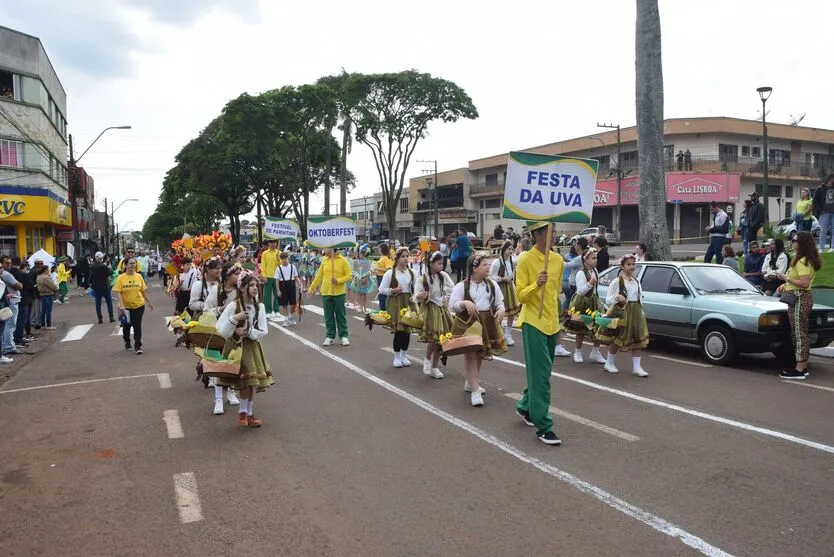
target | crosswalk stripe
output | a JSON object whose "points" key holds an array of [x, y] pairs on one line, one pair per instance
{"points": [[77, 333]]}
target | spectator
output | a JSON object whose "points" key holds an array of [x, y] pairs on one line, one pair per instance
{"points": [[28, 298], [23, 305], [753, 262], [730, 259], [687, 160], [755, 217], [742, 227], [824, 207], [498, 233], [47, 288], [679, 158], [804, 211], [717, 232], [775, 263], [100, 274], [63, 279], [602, 253], [36, 304], [82, 271], [640, 252], [461, 250], [143, 264], [13, 297]]}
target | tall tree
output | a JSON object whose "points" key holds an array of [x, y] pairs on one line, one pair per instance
{"points": [[345, 102], [649, 93], [392, 112]]}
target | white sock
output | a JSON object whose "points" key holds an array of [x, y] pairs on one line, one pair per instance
{"points": [[250, 406], [402, 354], [218, 393], [610, 359], [635, 362]]}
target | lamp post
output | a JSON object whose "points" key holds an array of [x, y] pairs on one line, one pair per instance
{"points": [[764, 94], [434, 187], [113, 213], [619, 174]]}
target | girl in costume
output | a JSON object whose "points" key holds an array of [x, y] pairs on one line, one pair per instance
{"points": [[585, 300], [363, 281], [243, 323], [477, 297], [624, 295], [304, 268], [350, 287], [502, 272], [398, 285], [432, 292]]}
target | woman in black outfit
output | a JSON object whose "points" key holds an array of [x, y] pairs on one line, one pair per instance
{"points": [[602, 253]]}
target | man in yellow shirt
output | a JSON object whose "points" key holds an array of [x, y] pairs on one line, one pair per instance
{"points": [[129, 254], [540, 333], [385, 262], [269, 262], [332, 276], [63, 278]]}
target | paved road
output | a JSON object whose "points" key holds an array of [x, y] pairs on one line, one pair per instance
{"points": [[357, 458]]}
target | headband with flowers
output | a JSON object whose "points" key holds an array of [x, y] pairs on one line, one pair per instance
{"points": [[626, 257], [587, 253]]}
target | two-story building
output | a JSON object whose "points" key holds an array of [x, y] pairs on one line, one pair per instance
{"points": [[34, 199], [455, 205], [372, 224]]}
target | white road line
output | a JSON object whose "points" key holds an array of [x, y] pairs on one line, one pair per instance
{"points": [[116, 333], [678, 361], [164, 380], [689, 411], [173, 424], [359, 318], [168, 320], [77, 383], [809, 385], [77, 333], [657, 523], [584, 421], [314, 309], [188, 500]]}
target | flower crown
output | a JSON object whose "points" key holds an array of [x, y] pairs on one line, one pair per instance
{"points": [[626, 257]]}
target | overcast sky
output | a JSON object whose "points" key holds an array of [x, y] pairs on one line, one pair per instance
{"points": [[538, 72]]}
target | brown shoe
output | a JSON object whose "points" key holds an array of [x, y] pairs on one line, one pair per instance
{"points": [[242, 419], [254, 422]]}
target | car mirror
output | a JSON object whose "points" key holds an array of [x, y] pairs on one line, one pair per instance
{"points": [[679, 289]]}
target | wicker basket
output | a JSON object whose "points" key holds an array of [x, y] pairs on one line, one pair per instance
{"points": [[223, 369]]}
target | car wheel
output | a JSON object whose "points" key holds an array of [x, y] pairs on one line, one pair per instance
{"points": [[717, 344]]}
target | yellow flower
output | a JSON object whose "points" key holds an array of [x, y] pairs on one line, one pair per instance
{"points": [[403, 312]]}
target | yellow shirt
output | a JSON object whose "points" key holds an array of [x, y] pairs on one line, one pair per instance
{"points": [[803, 207], [383, 264], [338, 267], [801, 269], [63, 273], [269, 262], [530, 264], [121, 266], [131, 288]]}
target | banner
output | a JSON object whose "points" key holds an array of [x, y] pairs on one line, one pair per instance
{"points": [[550, 188], [331, 232], [280, 229]]}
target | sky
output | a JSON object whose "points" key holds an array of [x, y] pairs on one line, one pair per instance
{"points": [[538, 72]]}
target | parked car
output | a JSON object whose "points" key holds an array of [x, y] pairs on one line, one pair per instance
{"points": [[591, 233], [717, 309], [788, 227]]}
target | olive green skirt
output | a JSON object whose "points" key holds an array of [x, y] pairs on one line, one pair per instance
{"points": [[633, 335], [255, 370], [491, 333], [581, 304], [437, 321], [394, 305], [511, 303]]}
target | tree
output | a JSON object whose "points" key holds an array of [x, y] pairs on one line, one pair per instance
{"points": [[649, 96], [345, 103], [391, 113]]}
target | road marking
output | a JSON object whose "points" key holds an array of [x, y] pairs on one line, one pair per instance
{"points": [[173, 424], [164, 380], [809, 385], [77, 333], [77, 383], [117, 332], [689, 411], [188, 500], [168, 320], [314, 309], [359, 318], [676, 360], [584, 421], [657, 523]]}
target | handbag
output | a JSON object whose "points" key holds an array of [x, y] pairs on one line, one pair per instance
{"points": [[788, 297]]}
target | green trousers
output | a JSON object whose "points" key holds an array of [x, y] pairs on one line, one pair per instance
{"points": [[334, 316], [271, 296], [63, 290], [538, 358]]}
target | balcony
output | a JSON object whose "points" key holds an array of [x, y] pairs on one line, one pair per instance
{"points": [[483, 189], [447, 203], [749, 166]]}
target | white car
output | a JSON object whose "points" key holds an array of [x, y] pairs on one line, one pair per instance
{"points": [[788, 226], [591, 233]]}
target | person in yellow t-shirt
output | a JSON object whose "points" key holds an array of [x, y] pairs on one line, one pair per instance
{"points": [[269, 263], [804, 211], [540, 333], [63, 278], [332, 276], [132, 296], [382, 266]]}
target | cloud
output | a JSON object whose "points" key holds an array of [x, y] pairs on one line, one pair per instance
{"points": [[185, 12]]}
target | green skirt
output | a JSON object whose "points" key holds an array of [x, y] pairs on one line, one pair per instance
{"points": [[582, 303], [255, 370], [491, 333], [634, 334], [511, 303], [437, 321], [393, 306]]}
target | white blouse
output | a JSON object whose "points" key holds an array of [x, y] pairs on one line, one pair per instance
{"points": [[403, 281], [288, 272], [781, 266], [210, 305], [582, 285], [188, 278], [440, 289], [510, 267], [632, 289], [479, 292], [194, 302], [226, 325], [418, 268]]}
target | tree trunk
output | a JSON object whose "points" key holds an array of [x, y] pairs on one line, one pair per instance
{"points": [[343, 168], [649, 94], [327, 155]]}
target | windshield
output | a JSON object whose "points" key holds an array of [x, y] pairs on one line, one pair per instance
{"points": [[718, 279], [784, 222]]}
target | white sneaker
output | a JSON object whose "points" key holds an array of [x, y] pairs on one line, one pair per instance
{"points": [[436, 373], [476, 399], [611, 368], [345, 341], [327, 342], [508, 336], [560, 351], [212, 382], [427, 368], [6, 360], [397, 362], [468, 388], [404, 359], [218, 406], [232, 398], [640, 372], [577, 357], [596, 357]]}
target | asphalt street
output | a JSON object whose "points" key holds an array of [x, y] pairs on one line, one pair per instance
{"points": [[106, 453]]}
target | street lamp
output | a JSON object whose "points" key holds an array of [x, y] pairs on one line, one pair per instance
{"points": [[764, 94], [96, 139], [112, 215], [434, 186]]}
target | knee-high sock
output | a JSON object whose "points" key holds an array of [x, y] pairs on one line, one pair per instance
{"points": [[218, 393]]}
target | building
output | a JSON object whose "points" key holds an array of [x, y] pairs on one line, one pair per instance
{"points": [[363, 211], [373, 226], [82, 193], [34, 199], [456, 205]]}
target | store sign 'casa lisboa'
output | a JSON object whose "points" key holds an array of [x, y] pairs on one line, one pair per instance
{"points": [[11, 207]]}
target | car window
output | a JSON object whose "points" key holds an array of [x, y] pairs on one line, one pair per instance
{"points": [[784, 222], [609, 275], [677, 281], [718, 279], [657, 279]]}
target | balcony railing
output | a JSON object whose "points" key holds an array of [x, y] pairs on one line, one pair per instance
{"points": [[742, 165], [448, 203], [484, 188]]}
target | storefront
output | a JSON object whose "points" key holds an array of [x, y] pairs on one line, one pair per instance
{"points": [[30, 219]]}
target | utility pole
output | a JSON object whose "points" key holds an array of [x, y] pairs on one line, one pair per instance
{"points": [[617, 211], [106, 228], [327, 156], [764, 94], [72, 186], [260, 230]]}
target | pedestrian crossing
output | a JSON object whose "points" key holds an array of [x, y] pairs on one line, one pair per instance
{"points": [[76, 333]]}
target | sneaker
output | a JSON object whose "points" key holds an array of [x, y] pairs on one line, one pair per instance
{"points": [[252, 421], [510, 341], [793, 374], [525, 416], [611, 368], [100, 320], [436, 373], [476, 399], [346, 342], [596, 357], [404, 359], [242, 418], [560, 352], [577, 357], [286, 323], [6, 360], [640, 372], [549, 438], [218, 406], [468, 389], [232, 398], [327, 342], [427, 368], [128, 346], [397, 362], [138, 351], [50, 328]]}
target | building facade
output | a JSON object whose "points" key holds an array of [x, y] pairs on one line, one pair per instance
{"points": [[34, 200], [372, 224]]}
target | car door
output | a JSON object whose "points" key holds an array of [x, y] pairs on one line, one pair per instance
{"points": [[667, 301]]}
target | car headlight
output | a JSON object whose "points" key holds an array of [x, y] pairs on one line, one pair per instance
{"points": [[829, 317], [770, 320]]}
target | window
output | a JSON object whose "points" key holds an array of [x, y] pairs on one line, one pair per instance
{"points": [[609, 275], [492, 203], [403, 205], [629, 159], [757, 152], [491, 179], [11, 153], [9, 85], [745, 150], [772, 190], [677, 281], [779, 156], [727, 153], [788, 209], [657, 279], [789, 192]]}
